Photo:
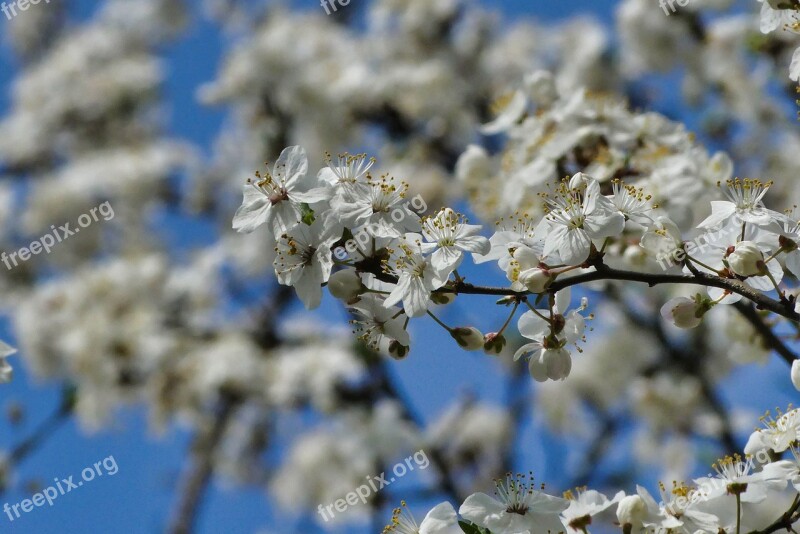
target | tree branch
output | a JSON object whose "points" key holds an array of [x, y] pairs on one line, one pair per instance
{"points": [[770, 339], [198, 476], [784, 309]]}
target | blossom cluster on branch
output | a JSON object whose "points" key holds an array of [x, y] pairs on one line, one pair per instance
{"points": [[755, 493], [312, 213], [586, 166]]}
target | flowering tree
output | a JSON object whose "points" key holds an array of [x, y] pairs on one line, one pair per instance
{"points": [[623, 266]]}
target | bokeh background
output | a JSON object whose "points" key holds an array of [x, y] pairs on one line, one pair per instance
{"points": [[186, 216]]}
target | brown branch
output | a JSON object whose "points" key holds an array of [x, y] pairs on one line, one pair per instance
{"points": [[770, 339], [784, 522], [198, 475], [762, 301]]}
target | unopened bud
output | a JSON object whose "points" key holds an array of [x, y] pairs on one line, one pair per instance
{"points": [[468, 338], [442, 298], [345, 285], [493, 343], [747, 260], [505, 301], [631, 512], [686, 313], [536, 280], [787, 244], [796, 374], [397, 350]]}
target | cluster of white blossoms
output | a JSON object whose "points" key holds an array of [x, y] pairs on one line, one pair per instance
{"points": [[745, 252], [783, 15], [401, 266], [756, 493], [587, 189]]}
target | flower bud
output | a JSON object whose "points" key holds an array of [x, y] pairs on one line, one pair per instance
{"points": [[442, 298], [536, 280], [493, 343], [398, 351], [747, 260], [780, 4], [787, 244], [796, 374], [345, 285], [631, 512], [684, 312], [468, 338]]}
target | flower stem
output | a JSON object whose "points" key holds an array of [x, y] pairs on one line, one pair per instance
{"points": [[738, 513], [511, 316], [701, 264], [441, 323]]}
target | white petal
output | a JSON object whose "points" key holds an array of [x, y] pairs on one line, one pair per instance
{"points": [[531, 325], [441, 519], [794, 68], [292, 165], [510, 115], [721, 210], [478, 506], [253, 212]]}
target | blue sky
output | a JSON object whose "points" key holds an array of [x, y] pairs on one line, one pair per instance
{"points": [[140, 495]]}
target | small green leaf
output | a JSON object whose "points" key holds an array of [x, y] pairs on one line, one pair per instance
{"points": [[307, 214], [470, 528]]}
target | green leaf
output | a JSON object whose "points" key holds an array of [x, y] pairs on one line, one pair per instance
{"points": [[470, 528], [307, 214]]}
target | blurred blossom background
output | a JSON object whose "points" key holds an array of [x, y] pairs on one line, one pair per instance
{"points": [[161, 336]]}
